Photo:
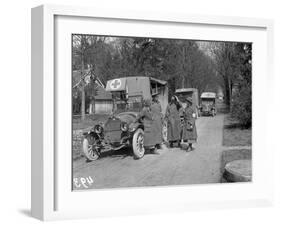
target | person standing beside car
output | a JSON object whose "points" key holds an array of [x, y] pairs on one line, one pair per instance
{"points": [[189, 131], [157, 121], [182, 112], [173, 121], [146, 116]]}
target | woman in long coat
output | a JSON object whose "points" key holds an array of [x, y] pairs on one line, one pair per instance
{"points": [[157, 121], [146, 116], [189, 132], [173, 121]]}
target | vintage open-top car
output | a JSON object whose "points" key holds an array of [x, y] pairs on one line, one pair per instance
{"points": [[121, 128]]}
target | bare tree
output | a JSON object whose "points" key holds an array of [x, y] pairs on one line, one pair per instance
{"points": [[226, 66], [81, 44]]}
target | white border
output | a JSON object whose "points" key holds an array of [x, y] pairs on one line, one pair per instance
{"points": [[43, 125]]}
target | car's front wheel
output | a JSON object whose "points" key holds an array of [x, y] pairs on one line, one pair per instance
{"points": [[89, 151], [138, 144]]}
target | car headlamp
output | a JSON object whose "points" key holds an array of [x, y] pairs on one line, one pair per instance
{"points": [[98, 129], [124, 126], [132, 127]]}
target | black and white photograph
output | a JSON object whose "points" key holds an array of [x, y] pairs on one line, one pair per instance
{"points": [[150, 111]]}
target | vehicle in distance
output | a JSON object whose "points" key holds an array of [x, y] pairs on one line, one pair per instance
{"points": [[208, 104]]}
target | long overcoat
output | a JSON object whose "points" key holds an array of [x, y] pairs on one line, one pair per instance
{"points": [[173, 122], [147, 118], [157, 122], [188, 131]]}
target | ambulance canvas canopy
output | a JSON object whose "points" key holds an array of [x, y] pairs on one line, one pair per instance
{"points": [[134, 86], [208, 95]]}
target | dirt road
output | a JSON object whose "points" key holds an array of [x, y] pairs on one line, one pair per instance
{"points": [[171, 167]]}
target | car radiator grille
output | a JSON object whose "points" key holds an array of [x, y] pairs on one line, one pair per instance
{"points": [[205, 108], [112, 125], [113, 131]]}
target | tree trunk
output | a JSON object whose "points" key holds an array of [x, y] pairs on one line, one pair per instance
{"points": [[93, 100], [83, 104], [228, 92], [227, 102], [93, 81], [183, 68], [93, 107], [183, 82], [83, 100]]}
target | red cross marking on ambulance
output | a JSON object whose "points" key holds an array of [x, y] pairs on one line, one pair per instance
{"points": [[115, 84]]}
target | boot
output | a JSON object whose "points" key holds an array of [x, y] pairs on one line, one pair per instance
{"points": [[171, 144], [154, 151], [158, 146], [179, 143], [190, 146]]}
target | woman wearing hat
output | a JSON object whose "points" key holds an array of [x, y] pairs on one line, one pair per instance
{"points": [[189, 132], [157, 124], [173, 121], [146, 115]]}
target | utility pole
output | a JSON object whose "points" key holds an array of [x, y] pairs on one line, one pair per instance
{"points": [[83, 89], [183, 68], [93, 80]]}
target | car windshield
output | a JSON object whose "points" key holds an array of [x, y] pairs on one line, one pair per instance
{"points": [[182, 96], [124, 103], [207, 101]]}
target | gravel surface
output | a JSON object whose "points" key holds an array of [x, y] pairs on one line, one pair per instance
{"points": [[171, 167]]}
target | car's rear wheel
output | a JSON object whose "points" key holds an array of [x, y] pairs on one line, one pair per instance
{"points": [[89, 151], [138, 144]]}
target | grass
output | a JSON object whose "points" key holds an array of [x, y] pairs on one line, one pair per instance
{"points": [[90, 120], [234, 134]]}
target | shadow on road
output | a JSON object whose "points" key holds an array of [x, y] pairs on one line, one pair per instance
{"points": [[121, 153]]}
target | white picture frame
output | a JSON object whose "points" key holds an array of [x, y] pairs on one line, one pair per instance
{"points": [[52, 197]]}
